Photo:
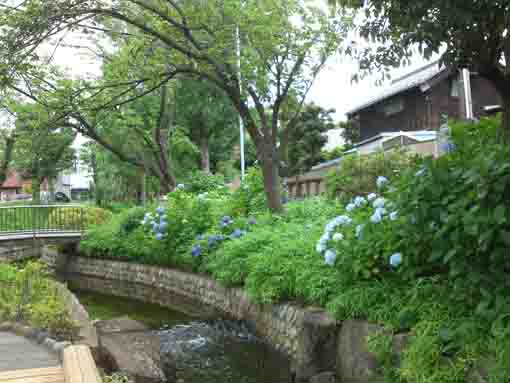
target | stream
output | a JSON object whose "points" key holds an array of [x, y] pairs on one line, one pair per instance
{"points": [[200, 351]]}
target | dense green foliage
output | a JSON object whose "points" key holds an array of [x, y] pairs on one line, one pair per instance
{"points": [[307, 138], [30, 296], [356, 174], [74, 217], [421, 251]]}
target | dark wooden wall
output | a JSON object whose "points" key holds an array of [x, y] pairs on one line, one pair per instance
{"points": [[423, 110]]}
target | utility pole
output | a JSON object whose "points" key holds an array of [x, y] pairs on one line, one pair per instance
{"points": [[241, 124]]}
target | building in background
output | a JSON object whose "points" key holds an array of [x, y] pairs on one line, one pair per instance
{"points": [[421, 99]]}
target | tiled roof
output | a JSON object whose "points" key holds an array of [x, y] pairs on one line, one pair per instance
{"points": [[13, 181], [402, 84]]}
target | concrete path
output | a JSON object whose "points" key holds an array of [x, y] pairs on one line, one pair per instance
{"points": [[18, 353]]}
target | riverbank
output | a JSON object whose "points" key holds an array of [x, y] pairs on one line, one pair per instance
{"points": [[306, 335]]}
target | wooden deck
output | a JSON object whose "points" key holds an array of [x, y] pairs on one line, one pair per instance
{"points": [[36, 375], [24, 361]]}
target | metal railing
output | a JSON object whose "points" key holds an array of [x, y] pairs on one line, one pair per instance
{"points": [[41, 219]]}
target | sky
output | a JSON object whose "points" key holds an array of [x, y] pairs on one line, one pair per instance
{"points": [[332, 89]]}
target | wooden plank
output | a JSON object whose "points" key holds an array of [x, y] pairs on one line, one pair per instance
{"points": [[31, 372], [38, 379], [79, 366], [36, 375]]}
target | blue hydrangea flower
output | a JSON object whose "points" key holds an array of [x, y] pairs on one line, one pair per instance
{"points": [[393, 215], [330, 257], [159, 236], [342, 220], [160, 210], [181, 186], [226, 220], [214, 239], [325, 238], [377, 217], [381, 181], [371, 196], [237, 234], [359, 201], [196, 251], [359, 231], [350, 207], [338, 237], [163, 225], [421, 172], [330, 227], [379, 202], [200, 237], [396, 260], [320, 247], [252, 221]]}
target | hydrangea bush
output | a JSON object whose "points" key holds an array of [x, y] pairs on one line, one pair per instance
{"points": [[361, 241]]}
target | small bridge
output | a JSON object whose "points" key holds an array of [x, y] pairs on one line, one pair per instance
{"points": [[25, 229]]}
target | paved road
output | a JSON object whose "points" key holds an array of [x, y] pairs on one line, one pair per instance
{"points": [[18, 353]]}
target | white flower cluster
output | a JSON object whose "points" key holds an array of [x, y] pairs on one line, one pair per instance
{"points": [[322, 245]]}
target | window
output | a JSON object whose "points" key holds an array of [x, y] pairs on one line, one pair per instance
{"points": [[455, 88], [394, 106]]}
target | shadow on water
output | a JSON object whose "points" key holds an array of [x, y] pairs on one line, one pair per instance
{"points": [[216, 351]]}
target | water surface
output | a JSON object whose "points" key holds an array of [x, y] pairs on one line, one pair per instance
{"points": [[197, 351]]}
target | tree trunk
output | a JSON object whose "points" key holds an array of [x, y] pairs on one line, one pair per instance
{"points": [[51, 189], [4, 167], [204, 152], [284, 152], [270, 171], [36, 190]]}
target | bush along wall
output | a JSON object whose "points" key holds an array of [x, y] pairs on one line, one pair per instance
{"points": [[422, 252]]}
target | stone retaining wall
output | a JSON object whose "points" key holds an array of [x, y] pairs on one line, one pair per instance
{"points": [[307, 335]]}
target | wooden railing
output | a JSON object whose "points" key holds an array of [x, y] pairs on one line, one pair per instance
{"points": [[42, 219], [305, 187]]}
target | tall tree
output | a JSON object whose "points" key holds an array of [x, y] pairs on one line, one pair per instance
{"points": [[284, 46], [307, 138], [474, 34], [209, 119], [42, 150]]}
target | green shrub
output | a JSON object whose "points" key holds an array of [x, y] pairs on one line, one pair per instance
{"points": [[131, 220], [29, 295], [250, 198], [200, 182], [121, 237], [73, 217], [461, 225], [356, 174], [471, 139], [117, 378]]}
